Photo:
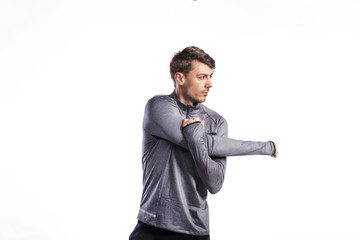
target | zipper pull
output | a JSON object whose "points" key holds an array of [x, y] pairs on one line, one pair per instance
{"points": [[187, 111]]}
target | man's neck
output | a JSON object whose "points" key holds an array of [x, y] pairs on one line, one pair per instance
{"points": [[181, 97]]}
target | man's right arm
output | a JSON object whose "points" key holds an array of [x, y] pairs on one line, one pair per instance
{"points": [[221, 146], [163, 119]]}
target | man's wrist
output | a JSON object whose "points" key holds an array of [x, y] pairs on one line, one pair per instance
{"points": [[274, 146]]}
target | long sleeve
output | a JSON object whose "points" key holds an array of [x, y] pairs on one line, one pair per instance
{"points": [[163, 119], [210, 169], [221, 146]]}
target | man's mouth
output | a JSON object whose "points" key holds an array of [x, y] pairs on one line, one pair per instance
{"points": [[206, 92]]}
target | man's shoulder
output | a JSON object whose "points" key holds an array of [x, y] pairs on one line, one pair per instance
{"points": [[160, 101], [160, 98]]}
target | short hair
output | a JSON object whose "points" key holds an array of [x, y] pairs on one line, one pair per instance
{"points": [[181, 61]]}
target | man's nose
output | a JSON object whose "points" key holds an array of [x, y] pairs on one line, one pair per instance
{"points": [[209, 83]]}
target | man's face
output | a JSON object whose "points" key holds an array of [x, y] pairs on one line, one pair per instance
{"points": [[197, 83]]}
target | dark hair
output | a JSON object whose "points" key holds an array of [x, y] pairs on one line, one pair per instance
{"points": [[181, 62]]}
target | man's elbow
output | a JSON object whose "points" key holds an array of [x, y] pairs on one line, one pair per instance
{"points": [[215, 188]]}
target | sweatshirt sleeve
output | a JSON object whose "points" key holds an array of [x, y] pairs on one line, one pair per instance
{"points": [[210, 169], [221, 146], [162, 119]]}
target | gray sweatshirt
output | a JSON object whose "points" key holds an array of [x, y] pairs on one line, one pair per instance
{"points": [[180, 165]]}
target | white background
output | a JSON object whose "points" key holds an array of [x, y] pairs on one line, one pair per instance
{"points": [[75, 77]]}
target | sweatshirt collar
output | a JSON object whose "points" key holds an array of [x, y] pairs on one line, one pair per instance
{"points": [[185, 107]]}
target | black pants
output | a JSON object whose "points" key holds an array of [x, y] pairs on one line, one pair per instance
{"points": [[143, 231]]}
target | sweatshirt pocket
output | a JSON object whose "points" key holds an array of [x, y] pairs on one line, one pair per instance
{"points": [[183, 216]]}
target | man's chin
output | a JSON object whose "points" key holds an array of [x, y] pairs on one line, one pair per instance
{"points": [[201, 100]]}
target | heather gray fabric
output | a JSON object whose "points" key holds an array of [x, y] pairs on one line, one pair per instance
{"points": [[181, 164]]}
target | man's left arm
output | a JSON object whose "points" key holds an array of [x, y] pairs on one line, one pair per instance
{"points": [[210, 169]]}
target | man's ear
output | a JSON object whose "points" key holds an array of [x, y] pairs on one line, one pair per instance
{"points": [[179, 78]]}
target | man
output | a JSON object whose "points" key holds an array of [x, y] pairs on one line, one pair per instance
{"points": [[185, 146]]}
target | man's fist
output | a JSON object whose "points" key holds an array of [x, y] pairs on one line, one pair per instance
{"points": [[276, 151]]}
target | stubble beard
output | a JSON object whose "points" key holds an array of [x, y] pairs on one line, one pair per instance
{"points": [[200, 98]]}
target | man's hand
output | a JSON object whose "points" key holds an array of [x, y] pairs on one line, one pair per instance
{"points": [[276, 151], [195, 119]]}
